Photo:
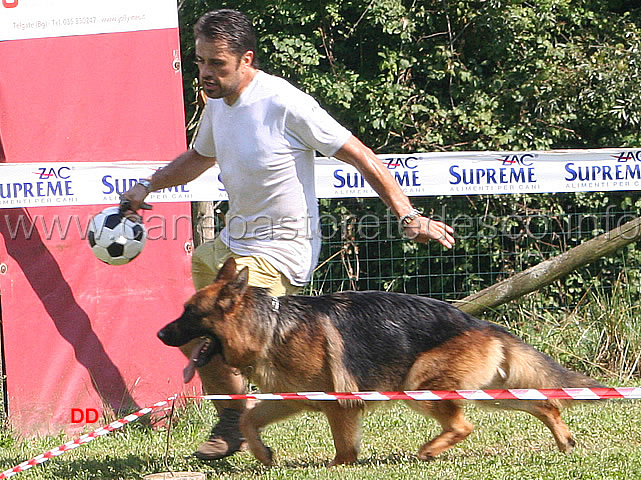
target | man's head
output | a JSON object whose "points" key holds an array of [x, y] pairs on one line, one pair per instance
{"points": [[225, 53], [231, 27]]}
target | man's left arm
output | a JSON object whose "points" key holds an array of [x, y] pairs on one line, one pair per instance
{"points": [[416, 227]]}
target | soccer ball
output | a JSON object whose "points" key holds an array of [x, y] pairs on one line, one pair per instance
{"points": [[115, 239]]}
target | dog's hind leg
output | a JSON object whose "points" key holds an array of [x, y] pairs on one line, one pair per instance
{"points": [[452, 419], [345, 424], [549, 414], [263, 414]]}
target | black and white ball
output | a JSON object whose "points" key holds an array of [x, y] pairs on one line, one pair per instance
{"points": [[115, 239]]}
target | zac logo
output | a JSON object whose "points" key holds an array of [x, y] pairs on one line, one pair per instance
{"points": [[45, 173], [525, 159], [9, 3]]}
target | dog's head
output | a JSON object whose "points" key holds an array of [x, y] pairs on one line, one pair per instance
{"points": [[206, 313]]}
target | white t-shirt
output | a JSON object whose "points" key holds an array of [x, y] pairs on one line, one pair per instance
{"points": [[264, 144]]}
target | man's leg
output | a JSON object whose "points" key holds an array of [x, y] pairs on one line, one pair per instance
{"points": [[216, 377]]}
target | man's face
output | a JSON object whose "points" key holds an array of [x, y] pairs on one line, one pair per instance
{"points": [[222, 74]]}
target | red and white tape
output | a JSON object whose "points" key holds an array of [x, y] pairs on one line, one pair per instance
{"points": [[83, 440], [604, 393], [601, 393]]}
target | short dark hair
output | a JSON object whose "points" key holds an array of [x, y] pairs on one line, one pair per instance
{"points": [[230, 26]]}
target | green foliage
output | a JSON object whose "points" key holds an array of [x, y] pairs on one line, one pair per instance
{"points": [[474, 75], [600, 335], [408, 76], [497, 236]]}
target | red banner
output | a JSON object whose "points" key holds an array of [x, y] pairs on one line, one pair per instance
{"points": [[77, 333]]}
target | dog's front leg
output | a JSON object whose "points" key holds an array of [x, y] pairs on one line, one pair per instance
{"points": [[345, 423], [254, 420]]}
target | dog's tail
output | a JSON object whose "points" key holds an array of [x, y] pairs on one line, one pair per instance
{"points": [[525, 367]]}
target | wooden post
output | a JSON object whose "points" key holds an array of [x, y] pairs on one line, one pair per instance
{"points": [[203, 218], [550, 270], [203, 214]]}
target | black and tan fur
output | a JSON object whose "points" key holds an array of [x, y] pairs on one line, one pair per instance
{"points": [[364, 341]]}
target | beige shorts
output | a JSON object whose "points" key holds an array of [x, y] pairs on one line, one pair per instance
{"points": [[209, 257]]}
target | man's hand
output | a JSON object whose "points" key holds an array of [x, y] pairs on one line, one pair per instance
{"points": [[422, 229], [133, 200]]}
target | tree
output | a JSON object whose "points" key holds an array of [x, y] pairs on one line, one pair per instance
{"points": [[409, 76], [452, 75]]}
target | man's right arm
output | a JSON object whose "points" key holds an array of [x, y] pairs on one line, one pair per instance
{"points": [[183, 169]]}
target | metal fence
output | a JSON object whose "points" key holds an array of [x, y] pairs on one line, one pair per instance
{"points": [[497, 236]]}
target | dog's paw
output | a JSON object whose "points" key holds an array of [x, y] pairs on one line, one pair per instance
{"points": [[343, 460], [427, 453], [426, 456], [568, 446], [265, 456]]}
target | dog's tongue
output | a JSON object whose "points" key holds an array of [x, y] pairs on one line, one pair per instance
{"points": [[190, 370]]}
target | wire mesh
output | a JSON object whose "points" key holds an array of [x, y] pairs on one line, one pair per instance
{"points": [[497, 236], [364, 249]]}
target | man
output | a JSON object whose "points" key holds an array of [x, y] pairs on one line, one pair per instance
{"points": [[263, 133]]}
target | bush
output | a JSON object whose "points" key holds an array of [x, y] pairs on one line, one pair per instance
{"points": [[467, 75]]}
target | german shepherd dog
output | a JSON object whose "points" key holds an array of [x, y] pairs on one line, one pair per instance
{"points": [[364, 341]]}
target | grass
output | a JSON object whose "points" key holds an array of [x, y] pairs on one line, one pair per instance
{"points": [[600, 336], [505, 445]]}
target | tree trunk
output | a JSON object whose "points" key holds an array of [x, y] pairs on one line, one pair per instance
{"points": [[550, 270]]}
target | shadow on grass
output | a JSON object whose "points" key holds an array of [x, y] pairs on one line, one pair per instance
{"points": [[136, 466], [253, 466], [107, 468]]}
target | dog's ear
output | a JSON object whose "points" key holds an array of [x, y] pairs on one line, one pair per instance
{"points": [[233, 290], [228, 270], [241, 280]]}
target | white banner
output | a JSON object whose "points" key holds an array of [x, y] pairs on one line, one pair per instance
{"points": [[24, 19], [421, 174]]}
